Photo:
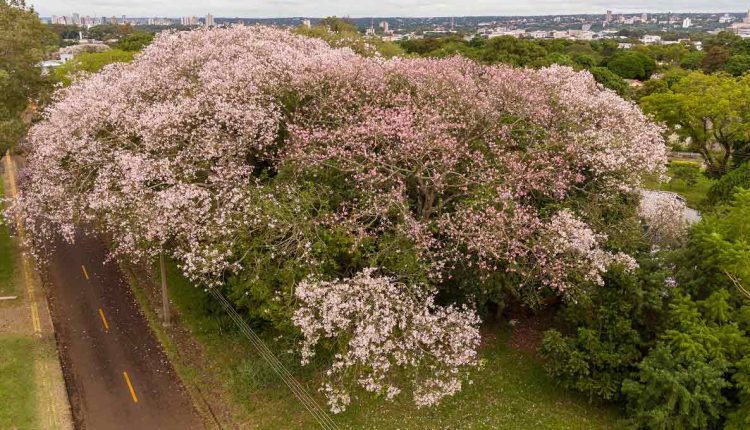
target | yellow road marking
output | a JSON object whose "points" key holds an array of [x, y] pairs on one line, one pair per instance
{"points": [[85, 273], [104, 319], [130, 387], [10, 168]]}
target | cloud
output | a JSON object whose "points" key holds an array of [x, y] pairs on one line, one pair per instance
{"points": [[357, 8]]}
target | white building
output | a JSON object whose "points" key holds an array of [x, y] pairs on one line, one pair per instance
{"points": [[651, 39], [686, 23], [726, 19], [210, 20]]}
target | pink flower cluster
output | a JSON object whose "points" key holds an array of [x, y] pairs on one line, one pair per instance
{"points": [[664, 216], [389, 329]]}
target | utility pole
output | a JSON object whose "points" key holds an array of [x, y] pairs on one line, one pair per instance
{"points": [[164, 295]]}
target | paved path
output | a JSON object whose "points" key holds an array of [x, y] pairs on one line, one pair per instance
{"points": [[118, 377]]}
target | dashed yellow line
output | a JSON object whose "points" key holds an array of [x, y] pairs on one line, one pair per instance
{"points": [[130, 387], [85, 273], [104, 319]]}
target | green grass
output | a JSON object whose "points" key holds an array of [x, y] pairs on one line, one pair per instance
{"points": [[693, 193], [17, 392], [7, 258], [511, 392]]}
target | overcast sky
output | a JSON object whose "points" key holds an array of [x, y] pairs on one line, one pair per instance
{"points": [[359, 8]]}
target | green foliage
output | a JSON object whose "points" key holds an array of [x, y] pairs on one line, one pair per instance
{"points": [[724, 189], [722, 239], [675, 392], [738, 65], [24, 40], [693, 60], [107, 32], [632, 65], [91, 62], [682, 382], [338, 25], [715, 59], [712, 110], [610, 80], [135, 41], [608, 330], [686, 172]]}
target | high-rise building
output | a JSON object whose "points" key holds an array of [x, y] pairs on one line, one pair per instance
{"points": [[189, 20], [686, 23], [644, 17], [384, 26], [609, 16], [306, 23], [210, 20]]}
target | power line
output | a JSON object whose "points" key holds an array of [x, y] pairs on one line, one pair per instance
{"points": [[320, 415]]}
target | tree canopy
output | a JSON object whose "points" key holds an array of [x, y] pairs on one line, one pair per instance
{"points": [[713, 111], [24, 41]]}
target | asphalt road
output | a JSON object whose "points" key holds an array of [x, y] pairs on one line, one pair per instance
{"points": [[116, 373]]}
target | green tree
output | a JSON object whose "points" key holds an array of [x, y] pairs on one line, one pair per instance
{"points": [[632, 65], [610, 80], [91, 62], [738, 65], [24, 41], [724, 189], [517, 52], [693, 60], [135, 41], [712, 110], [338, 25], [715, 59]]}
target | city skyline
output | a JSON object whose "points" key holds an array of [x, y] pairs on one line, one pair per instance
{"points": [[390, 8]]}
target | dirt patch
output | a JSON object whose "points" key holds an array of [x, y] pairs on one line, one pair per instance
{"points": [[527, 330]]}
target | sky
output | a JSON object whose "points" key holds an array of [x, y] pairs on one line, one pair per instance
{"points": [[366, 8]]}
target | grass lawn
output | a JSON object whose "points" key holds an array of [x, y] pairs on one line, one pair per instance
{"points": [[512, 392], [17, 392], [693, 193], [7, 258]]}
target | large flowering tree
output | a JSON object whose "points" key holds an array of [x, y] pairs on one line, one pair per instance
{"points": [[263, 162]]}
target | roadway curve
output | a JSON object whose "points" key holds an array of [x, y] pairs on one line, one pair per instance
{"points": [[95, 358]]}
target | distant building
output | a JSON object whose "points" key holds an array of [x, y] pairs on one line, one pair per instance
{"points": [[210, 20], [644, 17], [726, 19], [651, 39], [686, 23], [609, 16], [306, 23], [189, 20], [384, 26]]}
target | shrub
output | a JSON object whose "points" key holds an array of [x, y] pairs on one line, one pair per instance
{"points": [[724, 189], [607, 331]]}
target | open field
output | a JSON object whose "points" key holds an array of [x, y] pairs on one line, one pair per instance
{"points": [[512, 392]]}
